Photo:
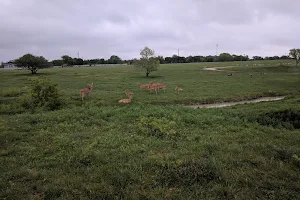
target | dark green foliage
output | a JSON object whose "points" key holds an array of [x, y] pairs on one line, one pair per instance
{"points": [[57, 62], [68, 60], [296, 161], [295, 54], [147, 61], [189, 172], [32, 63], [225, 57], [289, 119], [158, 127], [114, 60], [102, 150], [42, 94]]}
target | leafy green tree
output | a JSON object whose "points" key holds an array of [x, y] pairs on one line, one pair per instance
{"points": [[225, 57], [190, 59], [147, 61], [295, 54], [115, 60], [57, 62], [210, 58], [174, 58], [161, 59], [102, 61], [78, 61], [68, 60], [284, 57], [32, 63], [257, 58], [168, 59], [2, 65]]}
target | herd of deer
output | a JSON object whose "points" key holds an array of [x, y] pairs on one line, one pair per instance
{"points": [[150, 87]]}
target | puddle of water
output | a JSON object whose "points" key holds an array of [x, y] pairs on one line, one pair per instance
{"points": [[225, 104]]}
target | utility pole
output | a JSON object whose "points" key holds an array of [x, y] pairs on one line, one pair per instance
{"points": [[216, 52], [178, 52], [78, 54]]}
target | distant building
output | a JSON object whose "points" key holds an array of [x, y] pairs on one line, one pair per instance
{"points": [[10, 66]]}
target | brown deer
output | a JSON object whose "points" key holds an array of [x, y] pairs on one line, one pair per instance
{"points": [[143, 86], [86, 90], [178, 89], [126, 100], [128, 93], [161, 86], [152, 87], [156, 87]]}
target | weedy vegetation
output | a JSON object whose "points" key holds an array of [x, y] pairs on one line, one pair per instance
{"points": [[54, 145]]}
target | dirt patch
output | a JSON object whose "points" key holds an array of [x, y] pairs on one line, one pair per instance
{"points": [[216, 68]]}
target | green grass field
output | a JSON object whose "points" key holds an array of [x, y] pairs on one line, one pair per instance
{"points": [[153, 148]]}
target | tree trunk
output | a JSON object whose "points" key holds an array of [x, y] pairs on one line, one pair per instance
{"points": [[33, 71], [147, 74]]}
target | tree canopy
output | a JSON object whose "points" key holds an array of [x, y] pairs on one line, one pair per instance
{"points": [[32, 63], [67, 60], [147, 61], [224, 57], [295, 54]]}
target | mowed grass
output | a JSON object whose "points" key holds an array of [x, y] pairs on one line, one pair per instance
{"points": [[199, 86], [153, 148]]}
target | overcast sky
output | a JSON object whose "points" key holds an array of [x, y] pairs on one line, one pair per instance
{"points": [[101, 28]]}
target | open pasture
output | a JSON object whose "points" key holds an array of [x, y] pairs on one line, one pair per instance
{"points": [[199, 86], [154, 148]]}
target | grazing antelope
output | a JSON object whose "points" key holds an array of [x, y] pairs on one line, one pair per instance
{"points": [[152, 87], [86, 91], [143, 86], [229, 74], [178, 89], [126, 100], [128, 93], [161, 86], [156, 87]]}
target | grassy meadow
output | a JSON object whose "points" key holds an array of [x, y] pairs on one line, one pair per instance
{"points": [[153, 148]]}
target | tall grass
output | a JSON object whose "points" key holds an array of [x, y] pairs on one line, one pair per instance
{"points": [[152, 148]]}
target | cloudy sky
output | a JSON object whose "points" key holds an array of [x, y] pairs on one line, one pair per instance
{"points": [[101, 28]]}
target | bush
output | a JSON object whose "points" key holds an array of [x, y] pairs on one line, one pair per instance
{"points": [[42, 94], [289, 119], [158, 127]]}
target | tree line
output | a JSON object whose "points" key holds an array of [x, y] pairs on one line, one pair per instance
{"points": [[147, 61], [223, 57], [68, 60]]}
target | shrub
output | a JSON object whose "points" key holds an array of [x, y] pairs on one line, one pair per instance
{"points": [[158, 127], [289, 119], [42, 94]]}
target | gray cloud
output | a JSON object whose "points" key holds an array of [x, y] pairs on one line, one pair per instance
{"points": [[100, 28]]}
